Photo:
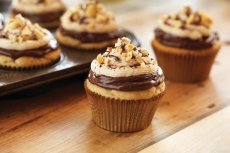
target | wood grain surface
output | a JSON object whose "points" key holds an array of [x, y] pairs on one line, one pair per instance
{"points": [[208, 135], [58, 119]]}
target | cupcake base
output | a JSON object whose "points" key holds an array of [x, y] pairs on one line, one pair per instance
{"points": [[119, 115], [74, 43], [183, 65], [29, 63]]}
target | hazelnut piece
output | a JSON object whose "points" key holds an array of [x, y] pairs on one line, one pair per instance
{"points": [[100, 59]]}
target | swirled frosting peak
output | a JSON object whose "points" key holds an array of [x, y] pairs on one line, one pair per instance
{"points": [[124, 60], [20, 34], [90, 16], [187, 23]]}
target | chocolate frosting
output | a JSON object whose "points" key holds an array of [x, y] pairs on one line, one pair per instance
{"points": [[87, 37], [37, 52], [131, 83], [43, 17], [179, 42]]}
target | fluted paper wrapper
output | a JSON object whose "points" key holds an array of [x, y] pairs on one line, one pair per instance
{"points": [[122, 115], [185, 67]]}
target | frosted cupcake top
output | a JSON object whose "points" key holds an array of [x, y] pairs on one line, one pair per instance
{"points": [[89, 17], [187, 23], [20, 34], [38, 6], [125, 67], [124, 60]]}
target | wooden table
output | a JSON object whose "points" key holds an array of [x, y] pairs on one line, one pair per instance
{"points": [[190, 118]]}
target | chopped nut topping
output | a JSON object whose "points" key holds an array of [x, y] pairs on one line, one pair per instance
{"points": [[92, 12], [100, 59], [187, 16], [144, 52], [129, 47], [118, 49], [101, 18], [107, 61], [128, 55], [75, 17], [205, 19], [142, 64], [125, 40], [109, 49], [187, 10], [19, 29]]}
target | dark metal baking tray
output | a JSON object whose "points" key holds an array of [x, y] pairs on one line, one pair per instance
{"points": [[72, 62]]}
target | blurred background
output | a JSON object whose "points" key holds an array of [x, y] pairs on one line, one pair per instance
{"points": [[141, 16]]}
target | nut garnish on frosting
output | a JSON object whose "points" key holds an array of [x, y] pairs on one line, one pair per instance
{"points": [[187, 23], [123, 60], [124, 54], [20, 34], [91, 12], [91, 15], [19, 29]]}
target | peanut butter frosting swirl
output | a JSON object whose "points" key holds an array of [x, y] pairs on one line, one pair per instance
{"points": [[187, 23], [20, 34], [124, 60], [90, 16]]}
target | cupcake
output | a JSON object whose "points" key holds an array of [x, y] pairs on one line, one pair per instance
{"points": [[45, 12], [24, 45], [88, 26], [186, 45], [124, 87]]}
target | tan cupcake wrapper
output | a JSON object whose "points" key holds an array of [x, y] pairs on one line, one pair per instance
{"points": [[122, 115], [29, 68], [181, 65]]}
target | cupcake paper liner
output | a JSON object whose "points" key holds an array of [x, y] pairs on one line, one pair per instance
{"points": [[187, 67], [119, 115]]}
